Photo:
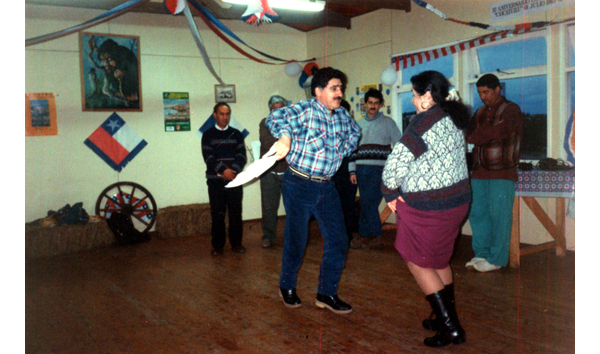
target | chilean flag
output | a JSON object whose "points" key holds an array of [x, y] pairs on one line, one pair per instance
{"points": [[115, 142]]}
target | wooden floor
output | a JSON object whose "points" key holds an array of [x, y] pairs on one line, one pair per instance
{"points": [[172, 296]]}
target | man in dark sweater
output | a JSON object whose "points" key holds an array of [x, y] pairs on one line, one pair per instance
{"points": [[224, 153]]}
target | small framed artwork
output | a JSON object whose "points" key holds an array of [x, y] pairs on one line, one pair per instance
{"points": [[110, 72], [40, 114], [225, 93]]}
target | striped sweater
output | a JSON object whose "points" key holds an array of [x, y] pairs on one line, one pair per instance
{"points": [[378, 133], [428, 168]]}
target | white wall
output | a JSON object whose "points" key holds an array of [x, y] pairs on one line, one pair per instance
{"points": [[61, 169]]}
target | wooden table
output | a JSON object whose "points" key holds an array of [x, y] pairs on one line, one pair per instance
{"points": [[559, 185]]}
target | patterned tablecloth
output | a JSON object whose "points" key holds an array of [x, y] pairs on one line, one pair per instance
{"points": [[548, 184]]}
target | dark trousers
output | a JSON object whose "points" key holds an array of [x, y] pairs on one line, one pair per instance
{"points": [[347, 192], [270, 195], [302, 199], [222, 200]]}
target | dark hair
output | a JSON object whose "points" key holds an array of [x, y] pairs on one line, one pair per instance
{"points": [[346, 105], [219, 105], [375, 94], [322, 77], [489, 81], [439, 87]]}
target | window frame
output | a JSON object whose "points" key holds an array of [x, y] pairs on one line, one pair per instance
{"points": [[556, 70]]}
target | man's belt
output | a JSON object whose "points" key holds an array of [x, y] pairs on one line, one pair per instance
{"points": [[308, 177]]}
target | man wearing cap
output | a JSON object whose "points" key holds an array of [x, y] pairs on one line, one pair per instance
{"points": [[314, 136], [270, 181]]}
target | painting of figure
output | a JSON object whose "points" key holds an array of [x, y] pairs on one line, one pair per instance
{"points": [[110, 72]]}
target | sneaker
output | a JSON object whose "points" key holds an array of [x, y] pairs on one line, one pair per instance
{"points": [[485, 266], [372, 243], [266, 243], [358, 241], [472, 262]]}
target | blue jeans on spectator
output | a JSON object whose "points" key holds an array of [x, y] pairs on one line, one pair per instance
{"points": [[369, 188], [302, 199]]}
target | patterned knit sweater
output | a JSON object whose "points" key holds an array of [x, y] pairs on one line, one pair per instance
{"points": [[428, 168], [378, 133], [223, 149]]}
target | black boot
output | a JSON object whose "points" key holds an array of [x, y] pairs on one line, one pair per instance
{"points": [[445, 313], [431, 323]]}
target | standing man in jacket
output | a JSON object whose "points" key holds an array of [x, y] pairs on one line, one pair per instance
{"points": [[496, 131]]}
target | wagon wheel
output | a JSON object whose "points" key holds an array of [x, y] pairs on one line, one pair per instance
{"points": [[130, 199]]}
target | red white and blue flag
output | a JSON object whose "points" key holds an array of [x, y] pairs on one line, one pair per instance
{"points": [[115, 142], [569, 143]]}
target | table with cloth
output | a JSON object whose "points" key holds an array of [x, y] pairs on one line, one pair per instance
{"points": [[533, 184]]}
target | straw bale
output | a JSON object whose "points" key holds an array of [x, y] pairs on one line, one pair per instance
{"points": [[43, 241], [183, 220]]}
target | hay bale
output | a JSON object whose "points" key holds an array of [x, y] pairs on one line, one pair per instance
{"points": [[43, 241], [183, 220]]}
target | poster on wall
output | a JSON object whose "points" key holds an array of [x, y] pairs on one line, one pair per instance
{"points": [[110, 72], [176, 111], [40, 114]]}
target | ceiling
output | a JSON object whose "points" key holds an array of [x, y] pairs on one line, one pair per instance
{"points": [[337, 13]]}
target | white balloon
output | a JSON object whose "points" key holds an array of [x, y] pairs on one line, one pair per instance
{"points": [[389, 76], [293, 68]]}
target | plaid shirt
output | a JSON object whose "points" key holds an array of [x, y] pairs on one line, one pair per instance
{"points": [[320, 140]]}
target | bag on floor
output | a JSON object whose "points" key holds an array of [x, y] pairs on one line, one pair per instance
{"points": [[125, 233]]}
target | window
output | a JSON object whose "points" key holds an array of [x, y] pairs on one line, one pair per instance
{"points": [[520, 65], [405, 108]]}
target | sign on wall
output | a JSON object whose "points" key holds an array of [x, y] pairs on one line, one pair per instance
{"points": [[507, 9], [40, 114], [177, 111]]}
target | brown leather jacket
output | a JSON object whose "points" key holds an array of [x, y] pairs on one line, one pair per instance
{"points": [[496, 133]]}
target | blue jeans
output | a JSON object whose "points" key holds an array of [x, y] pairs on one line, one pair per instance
{"points": [[302, 199], [369, 187], [491, 218]]}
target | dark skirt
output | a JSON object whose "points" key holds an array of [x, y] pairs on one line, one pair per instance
{"points": [[426, 238]]}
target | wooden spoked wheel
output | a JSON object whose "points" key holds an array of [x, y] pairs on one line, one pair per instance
{"points": [[130, 199]]}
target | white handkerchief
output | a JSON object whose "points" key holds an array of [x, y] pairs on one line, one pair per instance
{"points": [[255, 170]]}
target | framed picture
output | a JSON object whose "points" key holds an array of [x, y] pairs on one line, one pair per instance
{"points": [[40, 114], [225, 93], [110, 72]]}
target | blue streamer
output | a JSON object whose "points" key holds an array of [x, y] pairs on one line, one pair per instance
{"points": [[117, 11]]}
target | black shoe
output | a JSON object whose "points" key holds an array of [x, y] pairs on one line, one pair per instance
{"points": [[216, 252], [290, 299], [239, 249], [333, 303]]}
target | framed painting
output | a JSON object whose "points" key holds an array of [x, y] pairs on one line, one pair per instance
{"points": [[40, 114], [225, 93], [110, 72]]}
